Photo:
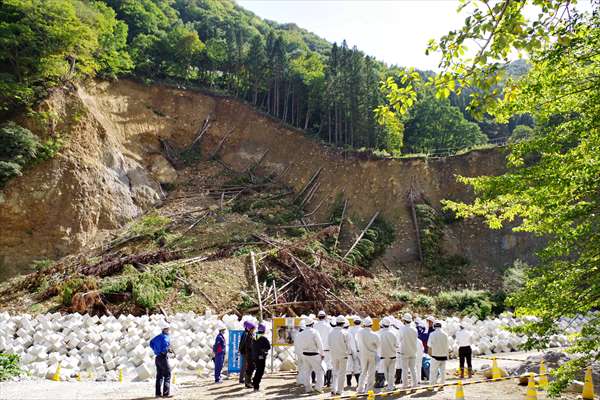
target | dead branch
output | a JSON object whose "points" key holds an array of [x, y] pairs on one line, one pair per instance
{"points": [[337, 237], [361, 235], [218, 148], [308, 184]]}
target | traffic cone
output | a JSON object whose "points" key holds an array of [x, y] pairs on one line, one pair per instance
{"points": [[460, 393], [174, 381], [496, 374], [531, 392], [56, 376], [588, 385], [121, 375], [543, 380], [78, 377]]}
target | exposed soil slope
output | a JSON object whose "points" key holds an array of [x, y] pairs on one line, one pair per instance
{"points": [[111, 167]]}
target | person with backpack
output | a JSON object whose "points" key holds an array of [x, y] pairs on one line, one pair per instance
{"points": [[219, 352], [245, 350], [260, 349]]}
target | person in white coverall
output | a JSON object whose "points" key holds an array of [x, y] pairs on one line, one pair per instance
{"points": [[389, 344], [419, 363], [339, 347], [438, 349], [310, 345], [354, 361], [324, 328], [299, 358], [368, 342], [408, 337]]}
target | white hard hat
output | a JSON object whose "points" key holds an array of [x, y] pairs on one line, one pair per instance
{"points": [[367, 322], [165, 325], [221, 326], [385, 322], [407, 317], [356, 319], [309, 322], [430, 318], [322, 314], [340, 319], [438, 323]]}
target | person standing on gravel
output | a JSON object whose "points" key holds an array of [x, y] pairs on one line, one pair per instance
{"points": [[324, 328], [339, 346], [354, 361], [260, 349], [438, 348], [245, 350], [161, 345], [310, 345], [408, 336], [368, 344], [389, 344], [464, 339], [219, 351]]}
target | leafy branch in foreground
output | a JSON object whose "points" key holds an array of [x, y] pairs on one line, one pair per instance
{"points": [[552, 185]]}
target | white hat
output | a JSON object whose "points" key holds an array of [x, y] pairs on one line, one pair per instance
{"points": [[356, 319], [340, 319], [430, 318], [385, 322], [164, 325], [221, 326], [322, 314], [407, 317], [346, 323], [367, 322], [438, 323], [309, 322]]}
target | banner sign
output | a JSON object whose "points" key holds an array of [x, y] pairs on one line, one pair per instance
{"points": [[285, 331], [234, 364]]}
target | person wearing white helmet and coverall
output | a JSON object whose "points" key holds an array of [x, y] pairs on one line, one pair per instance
{"points": [[408, 338], [368, 343], [310, 345], [324, 328], [354, 361], [299, 359], [219, 351], [339, 347], [438, 348], [389, 343], [161, 345], [397, 324]]}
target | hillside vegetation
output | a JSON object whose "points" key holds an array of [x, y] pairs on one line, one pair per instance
{"points": [[329, 90]]}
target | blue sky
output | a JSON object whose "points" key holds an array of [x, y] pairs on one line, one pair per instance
{"points": [[395, 31]]}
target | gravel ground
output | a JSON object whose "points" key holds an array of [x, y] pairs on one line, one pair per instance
{"points": [[276, 386]]}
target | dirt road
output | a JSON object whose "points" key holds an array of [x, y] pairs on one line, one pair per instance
{"points": [[275, 386]]}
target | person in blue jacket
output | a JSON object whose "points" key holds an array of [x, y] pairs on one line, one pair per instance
{"points": [[161, 345], [219, 352]]}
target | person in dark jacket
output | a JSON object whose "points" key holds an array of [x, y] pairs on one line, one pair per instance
{"points": [[260, 349], [245, 350], [161, 345], [219, 352]]}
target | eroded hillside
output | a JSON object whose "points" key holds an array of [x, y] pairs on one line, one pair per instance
{"points": [[110, 169]]}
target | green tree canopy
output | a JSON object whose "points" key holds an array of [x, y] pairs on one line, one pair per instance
{"points": [[435, 124]]}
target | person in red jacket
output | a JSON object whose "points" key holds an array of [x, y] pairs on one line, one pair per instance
{"points": [[219, 352]]}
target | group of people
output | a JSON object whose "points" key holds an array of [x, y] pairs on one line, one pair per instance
{"points": [[333, 350], [330, 351]]}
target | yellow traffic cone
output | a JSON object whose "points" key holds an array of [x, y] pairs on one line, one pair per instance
{"points": [[56, 376], [496, 374], [543, 381], [460, 393], [531, 392], [78, 377], [588, 385], [121, 375]]}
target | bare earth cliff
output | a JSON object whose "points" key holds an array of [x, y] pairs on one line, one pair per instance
{"points": [[111, 168]]}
